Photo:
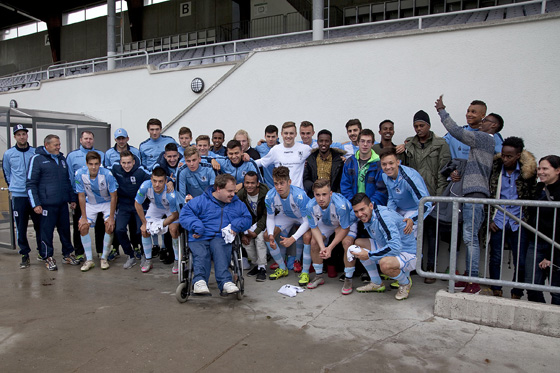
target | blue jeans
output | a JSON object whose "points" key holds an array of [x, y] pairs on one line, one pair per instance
{"points": [[512, 239], [470, 235], [22, 212], [204, 252], [532, 266]]}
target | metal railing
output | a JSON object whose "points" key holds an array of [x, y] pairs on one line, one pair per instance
{"points": [[454, 242], [64, 68]]}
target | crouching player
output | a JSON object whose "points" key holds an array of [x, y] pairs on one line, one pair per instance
{"points": [[205, 217], [285, 208], [329, 213], [389, 246], [97, 192], [162, 203]]}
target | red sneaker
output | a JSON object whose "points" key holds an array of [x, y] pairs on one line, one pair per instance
{"points": [[274, 266], [472, 288], [297, 266], [331, 271]]}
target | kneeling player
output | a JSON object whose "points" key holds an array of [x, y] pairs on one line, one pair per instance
{"points": [[162, 203], [97, 192], [389, 246], [329, 213]]}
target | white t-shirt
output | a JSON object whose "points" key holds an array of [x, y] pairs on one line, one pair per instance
{"points": [[293, 158]]}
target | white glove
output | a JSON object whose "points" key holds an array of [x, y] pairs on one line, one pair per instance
{"points": [[290, 290], [354, 249], [227, 234]]}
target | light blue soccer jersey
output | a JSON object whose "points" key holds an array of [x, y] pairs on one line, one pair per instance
{"points": [[97, 190], [338, 213], [406, 191], [294, 206], [164, 200]]}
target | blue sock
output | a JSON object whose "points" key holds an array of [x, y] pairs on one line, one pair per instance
{"points": [[300, 249], [277, 256], [402, 278], [86, 243], [175, 244], [371, 268], [147, 243], [306, 258], [318, 268], [349, 272], [107, 241]]}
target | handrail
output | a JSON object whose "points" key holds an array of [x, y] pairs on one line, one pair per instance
{"points": [[199, 58], [92, 61]]}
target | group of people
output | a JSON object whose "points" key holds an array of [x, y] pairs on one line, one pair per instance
{"points": [[304, 204]]}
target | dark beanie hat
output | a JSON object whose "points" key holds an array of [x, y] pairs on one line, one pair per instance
{"points": [[422, 116]]}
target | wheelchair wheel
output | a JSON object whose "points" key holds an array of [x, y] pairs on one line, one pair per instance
{"points": [[237, 271], [182, 292]]}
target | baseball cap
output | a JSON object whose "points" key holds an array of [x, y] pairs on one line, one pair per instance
{"points": [[121, 132], [20, 127]]}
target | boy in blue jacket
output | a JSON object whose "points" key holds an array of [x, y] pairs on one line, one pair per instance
{"points": [[193, 177], [204, 217], [362, 172]]}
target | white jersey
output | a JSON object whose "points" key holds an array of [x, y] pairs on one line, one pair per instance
{"points": [[293, 158]]}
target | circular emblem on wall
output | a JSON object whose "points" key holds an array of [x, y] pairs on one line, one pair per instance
{"points": [[197, 85]]}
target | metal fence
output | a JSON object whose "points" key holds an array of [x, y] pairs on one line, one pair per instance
{"points": [[529, 239]]}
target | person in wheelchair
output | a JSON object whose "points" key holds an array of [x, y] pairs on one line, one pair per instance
{"points": [[206, 218]]}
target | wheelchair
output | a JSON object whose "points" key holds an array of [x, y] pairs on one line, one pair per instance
{"points": [[185, 288]]}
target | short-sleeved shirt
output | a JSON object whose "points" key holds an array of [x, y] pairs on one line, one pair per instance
{"points": [[164, 200], [97, 190], [294, 206]]}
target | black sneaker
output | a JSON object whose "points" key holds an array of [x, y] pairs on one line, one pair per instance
{"points": [[24, 261], [261, 275], [155, 251], [254, 271], [138, 253], [114, 254], [70, 259], [50, 263], [365, 277], [342, 278]]}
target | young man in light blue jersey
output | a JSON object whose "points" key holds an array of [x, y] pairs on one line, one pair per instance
{"points": [[151, 149], [162, 203], [353, 129], [271, 140], [406, 188], [306, 132], [15, 164], [389, 246], [235, 165], [193, 177], [185, 139], [97, 193], [328, 213], [121, 143], [285, 208], [77, 159]]}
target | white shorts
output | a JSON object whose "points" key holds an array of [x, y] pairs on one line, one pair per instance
{"points": [[286, 223], [155, 213], [328, 230], [93, 210]]}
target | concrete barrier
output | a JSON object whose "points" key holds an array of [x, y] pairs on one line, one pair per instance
{"points": [[538, 318]]}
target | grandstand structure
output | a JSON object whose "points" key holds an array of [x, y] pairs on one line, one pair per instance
{"points": [[205, 47]]}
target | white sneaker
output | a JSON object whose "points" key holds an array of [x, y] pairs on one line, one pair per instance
{"points": [[130, 262], [200, 287], [89, 264], [230, 288], [104, 264]]}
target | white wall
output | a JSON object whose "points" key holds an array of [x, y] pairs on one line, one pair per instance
{"points": [[512, 67]]}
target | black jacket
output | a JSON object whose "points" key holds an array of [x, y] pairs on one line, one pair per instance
{"points": [[310, 170]]}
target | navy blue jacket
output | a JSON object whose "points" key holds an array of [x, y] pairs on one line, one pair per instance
{"points": [[48, 182], [129, 182], [169, 171]]}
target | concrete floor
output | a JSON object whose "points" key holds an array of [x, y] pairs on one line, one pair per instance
{"points": [[68, 321]]}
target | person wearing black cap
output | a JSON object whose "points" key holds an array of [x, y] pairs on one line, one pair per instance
{"points": [[427, 154], [15, 164]]}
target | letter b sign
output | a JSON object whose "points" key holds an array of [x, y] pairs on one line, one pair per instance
{"points": [[185, 9]]}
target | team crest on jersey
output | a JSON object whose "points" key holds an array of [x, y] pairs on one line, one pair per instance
{"points": [[63, 164], [203, 178], [293, 206], [133, 180], [300, 154], [398, 190], [102, 185]]}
